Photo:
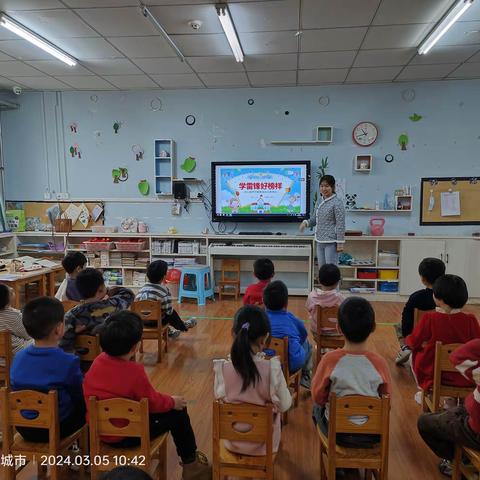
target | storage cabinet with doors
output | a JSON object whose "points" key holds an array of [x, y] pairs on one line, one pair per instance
{"points": [[461, 257]]}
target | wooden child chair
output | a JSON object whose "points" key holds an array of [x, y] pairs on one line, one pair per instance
{"points": [[150, 312], [418, 314], [69, 304], [229, 284], [280, 346], [87, 347], [374, 459], [6, 355], [327, 320], [470, 470], [46, 405], [226, 463], [431, 400], [101, 414]]}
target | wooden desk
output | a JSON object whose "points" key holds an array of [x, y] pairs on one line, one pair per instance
{"points": [[44, 277]]}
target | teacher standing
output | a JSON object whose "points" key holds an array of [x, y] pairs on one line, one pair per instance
{"points": [[329, 219]]}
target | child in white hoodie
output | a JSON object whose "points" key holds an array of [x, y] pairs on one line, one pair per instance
{"points": [[325, 296]]}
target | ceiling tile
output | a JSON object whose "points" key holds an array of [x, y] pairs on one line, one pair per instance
{"points": [[143, 47], [101, 3], [23, 50], [183, 80], [174, 19], [264, 79], [118, 22], [395, 36], [88, 48], [340, 13], [86, 82], [316, 77], [467, 70], [424, 72], [268, 42], [29, 4], [41, 83], [7, 35], [131, 82], [319, 60], [259, 63], [224, 79], [394, 12], [332, 39], [472, 14], [56, 67], [375, 74], [7, 83], [162, 65], [265, 16], [13, 68], [215, 64], [384, 58], [55, 24], [203, 45], [450, 54], [4, 57], [113, 66], [461, 33], [475, 58]]}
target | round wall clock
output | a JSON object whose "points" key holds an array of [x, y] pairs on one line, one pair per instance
{"points": [[365, 134]]}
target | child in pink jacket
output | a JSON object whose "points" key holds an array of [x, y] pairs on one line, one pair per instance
{"points": [[325, 296], [248, 377]]}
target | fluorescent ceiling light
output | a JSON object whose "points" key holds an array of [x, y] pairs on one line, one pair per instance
{"points": [[148, 14], [444, 25], [37, 40], [229, 29]]}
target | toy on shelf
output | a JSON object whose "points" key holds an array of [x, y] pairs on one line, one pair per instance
{"points": [[376, 226]]}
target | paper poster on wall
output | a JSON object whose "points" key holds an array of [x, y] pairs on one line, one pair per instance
{"points": [[450, 204]]}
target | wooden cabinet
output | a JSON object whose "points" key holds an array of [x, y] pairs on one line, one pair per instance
{"points": [[461, 257]]}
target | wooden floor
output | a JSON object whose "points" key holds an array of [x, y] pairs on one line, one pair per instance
{"points": [[188, 371]]}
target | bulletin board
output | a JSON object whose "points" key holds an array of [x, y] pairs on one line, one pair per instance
{"points": [[432, 212], [39, 210]]}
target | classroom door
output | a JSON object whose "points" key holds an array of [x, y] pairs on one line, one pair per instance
{"points": [[463, 259], [412, 252]]}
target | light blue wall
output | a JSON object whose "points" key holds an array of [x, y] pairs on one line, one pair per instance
{"points": [[446, 142]]}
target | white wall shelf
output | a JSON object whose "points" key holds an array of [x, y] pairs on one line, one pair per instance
{"points": [[363, 163], [164, 166]]}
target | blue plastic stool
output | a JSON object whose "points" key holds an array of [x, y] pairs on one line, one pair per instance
{"points": [[196, 282]]}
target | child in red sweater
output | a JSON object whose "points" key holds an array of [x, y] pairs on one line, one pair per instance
{"points": [[442, 431], [264, 270], [447, 325], [113, 374]]}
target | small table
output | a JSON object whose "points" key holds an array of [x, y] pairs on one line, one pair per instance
{"points": [[44, 277]]}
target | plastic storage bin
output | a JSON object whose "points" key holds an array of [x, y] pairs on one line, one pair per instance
{"points": [[387, 259], [391, 287], [126, 246], [388, 274], [97, 246], [367, 274]]}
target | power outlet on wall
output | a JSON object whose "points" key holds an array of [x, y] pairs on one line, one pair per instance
{"points": [[62, 196]]}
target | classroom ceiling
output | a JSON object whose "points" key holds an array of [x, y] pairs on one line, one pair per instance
{"points": [[286, 43]]}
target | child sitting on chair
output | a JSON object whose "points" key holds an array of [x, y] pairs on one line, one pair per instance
{"points": [[115, 374], [248, 377], [264, 270], [11, 321], [73, 263], [351, 370], [286, 324], [429, 270], [458, 426], [43, 367], [447, 325], [325, 296], [157, 291], [97, 304]]}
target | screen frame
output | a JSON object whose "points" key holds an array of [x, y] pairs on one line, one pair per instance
{"points": [[260, 217]]}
